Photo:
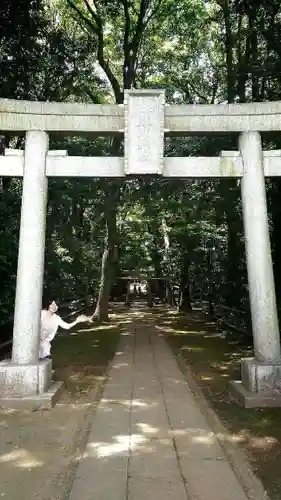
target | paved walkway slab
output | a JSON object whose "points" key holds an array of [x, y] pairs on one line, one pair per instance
{"points": [[149, 438]]}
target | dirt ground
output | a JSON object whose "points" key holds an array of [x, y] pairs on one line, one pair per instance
{"points": [[214, 360], [39, 450]]}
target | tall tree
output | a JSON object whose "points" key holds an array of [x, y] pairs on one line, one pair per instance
{"points": [[126, 22]]}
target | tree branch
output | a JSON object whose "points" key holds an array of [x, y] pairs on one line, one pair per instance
{"points": [[154, 11], [92, 12], [214, 91], [127, 25], [140, 27], [126, 45], [197, 93], [106, 68], [97, 28], [82, 16], [141, 23]]}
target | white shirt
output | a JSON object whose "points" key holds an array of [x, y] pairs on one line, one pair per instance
{"points": [[49, 328]]}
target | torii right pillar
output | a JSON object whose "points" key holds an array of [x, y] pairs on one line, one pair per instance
{"points": [[261, 376]]}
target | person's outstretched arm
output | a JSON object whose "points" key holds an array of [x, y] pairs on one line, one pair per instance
{"points": [[68, 326]]}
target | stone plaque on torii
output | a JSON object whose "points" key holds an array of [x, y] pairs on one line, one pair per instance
{"points": [[144, 119]]}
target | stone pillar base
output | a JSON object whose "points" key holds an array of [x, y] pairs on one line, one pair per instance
{"points": [[260, 385], [28, 386]]}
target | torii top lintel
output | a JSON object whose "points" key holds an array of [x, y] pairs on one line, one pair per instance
{"points": [[103, 119]]}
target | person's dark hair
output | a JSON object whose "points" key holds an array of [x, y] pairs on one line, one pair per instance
{"points": [[47, 300]]}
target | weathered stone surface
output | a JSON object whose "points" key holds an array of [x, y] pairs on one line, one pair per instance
{"points": [[102, 478], [109, 119], [144, 131], [43, 401], [144, 487], [253, 399], [23, 380], [265, 326], [261, 377], [203, 167], [197, 444], [61, 117], [211, 480], [156, 459], [31, 251], [183, 167], [79, 166], [202, 118]]}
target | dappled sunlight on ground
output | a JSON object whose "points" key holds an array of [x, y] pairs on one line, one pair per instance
{"points": [[192, 348], [21, 458], [120, 365], [244, 437], [214, 359], [144, 442], [46, 443], [147, 429], [96, 328], [126, 402], [175, 331], [36, 448], [80, 357], [102, 450]]}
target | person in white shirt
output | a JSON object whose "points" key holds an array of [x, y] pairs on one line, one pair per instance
{"points": [[50, 321]]}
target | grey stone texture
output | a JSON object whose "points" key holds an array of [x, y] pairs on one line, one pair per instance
{"points": [[258, 251], [250, 399], [16, 380], [144, 131], [31, 255], [20, 116], [36, 401]]}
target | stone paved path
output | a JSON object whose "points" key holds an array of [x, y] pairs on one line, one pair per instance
{"points": [[149, 439]]}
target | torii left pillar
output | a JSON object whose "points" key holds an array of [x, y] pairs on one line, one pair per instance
{"points": [[25, 381]]}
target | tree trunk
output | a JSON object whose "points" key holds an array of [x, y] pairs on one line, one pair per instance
{"points": [[101, 312], [149, 294], [109, 259], [243, 55], [210, 284], [254, 54], [184, 298], [128, 300], [185, 301], [235, 259], [169, 293], [229, 54], [166, 238]]}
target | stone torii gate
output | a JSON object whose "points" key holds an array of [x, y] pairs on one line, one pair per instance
{"points": [[143, 120]]}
